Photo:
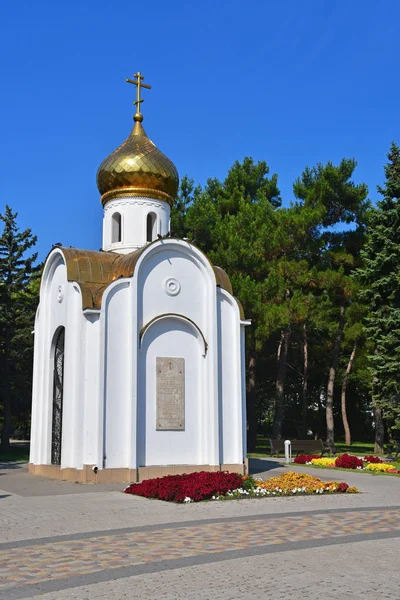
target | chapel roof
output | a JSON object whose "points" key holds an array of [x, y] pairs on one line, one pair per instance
{"points": [[94, 270]]}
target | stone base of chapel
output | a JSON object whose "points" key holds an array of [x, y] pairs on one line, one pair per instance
{"points": [[87, 475]]}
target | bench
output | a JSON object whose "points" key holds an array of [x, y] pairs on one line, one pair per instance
{"points": [[277, 446], [302, 447], [395, 448]]}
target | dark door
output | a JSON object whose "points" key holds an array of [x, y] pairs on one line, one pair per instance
{"points": [[57, 398]]}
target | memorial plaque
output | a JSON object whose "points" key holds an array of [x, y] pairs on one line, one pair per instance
{"points": [[170, 393]]}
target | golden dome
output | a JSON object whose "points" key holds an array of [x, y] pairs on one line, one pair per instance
{"points": [[137, 168]]}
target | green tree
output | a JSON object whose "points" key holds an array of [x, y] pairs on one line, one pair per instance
{"points": [[233, 222], [18, 295], [380, 277], [329, 188], [186, 194]]}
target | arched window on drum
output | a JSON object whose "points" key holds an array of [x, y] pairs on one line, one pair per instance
{"points": [[116, 234], [151, 227]]}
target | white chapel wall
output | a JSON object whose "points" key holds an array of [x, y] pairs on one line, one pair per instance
{"points": [[230, 379], [52, 315], [173, 278], [91, 400], [116, 366], [73, 407]]}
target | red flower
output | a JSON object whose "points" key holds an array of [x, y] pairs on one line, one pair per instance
{"points": [[197, 486], [302, 459], [372, 459], [342, 487], [347, 461]]}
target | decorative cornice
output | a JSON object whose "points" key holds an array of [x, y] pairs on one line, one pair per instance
{"points": [[114, 203], [129, 192]]}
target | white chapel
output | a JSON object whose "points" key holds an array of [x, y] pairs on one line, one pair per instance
{"points": [[139, 365]]}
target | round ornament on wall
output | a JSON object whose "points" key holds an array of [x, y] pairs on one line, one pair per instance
{"points": [[172, 286]]}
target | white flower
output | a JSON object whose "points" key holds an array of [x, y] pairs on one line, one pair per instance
{"points": [[187, 499]]}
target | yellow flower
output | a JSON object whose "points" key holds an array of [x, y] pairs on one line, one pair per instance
{"points": [[297, 483], [379, 467], [323, 462]]}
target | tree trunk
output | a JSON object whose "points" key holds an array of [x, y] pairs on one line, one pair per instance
{"points": [[379, 432], [379, 428], [305, 381], [321, 415], [251, 400], [347, 435], [283, 349], [330, 427]]}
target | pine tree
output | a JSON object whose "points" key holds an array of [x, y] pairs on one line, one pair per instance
{"points": [[380, 277], [233, 222], [329, 188], [186, 195], [17, 305]]}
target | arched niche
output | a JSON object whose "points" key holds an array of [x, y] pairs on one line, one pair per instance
{"points": [[196, 330], [151, 227], [116, 228], [173, 339]]}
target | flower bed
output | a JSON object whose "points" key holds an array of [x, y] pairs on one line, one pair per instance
{"points": [[292, 483], [323, 462], [381, 468], [302, 459], [349, 461], [195, 487], [372, 459]]}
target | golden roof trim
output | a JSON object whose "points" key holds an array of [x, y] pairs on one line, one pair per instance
{"points": [[223, 280], [134, 192], [240, 307]]}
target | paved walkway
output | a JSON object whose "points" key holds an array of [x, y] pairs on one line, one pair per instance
{"points": [[60, 540]]}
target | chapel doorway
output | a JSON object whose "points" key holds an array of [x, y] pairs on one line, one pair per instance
{"points": [[58, 389]]}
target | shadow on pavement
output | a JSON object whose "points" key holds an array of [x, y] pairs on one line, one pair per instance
{"points": [[260, 465], [12, 465]]}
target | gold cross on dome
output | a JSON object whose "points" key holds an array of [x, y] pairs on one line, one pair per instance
{"points": [[139, 85]]}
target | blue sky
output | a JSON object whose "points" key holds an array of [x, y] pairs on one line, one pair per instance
{"points": [[290, 82]]}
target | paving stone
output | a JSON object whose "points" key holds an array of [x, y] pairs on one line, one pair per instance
{"points": [[87, 542]]}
